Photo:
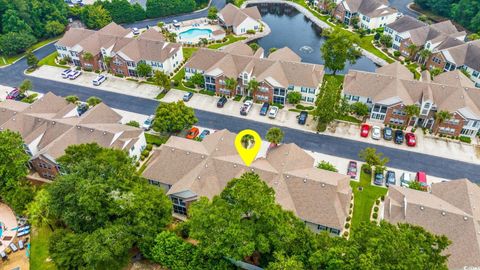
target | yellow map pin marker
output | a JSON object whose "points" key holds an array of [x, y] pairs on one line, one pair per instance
{"points": [[248, 155]]}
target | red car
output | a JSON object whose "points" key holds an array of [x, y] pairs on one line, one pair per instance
{"points": [[192, 133], [364, 130], [421, 177], [352, 169], [411, 140]]}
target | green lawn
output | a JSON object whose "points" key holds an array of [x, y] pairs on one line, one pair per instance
{"points": [[364, 199], [230, 39], [188, 51], [50, 61], [7, 60], [39, 249], [413, 68], [155, 140]]}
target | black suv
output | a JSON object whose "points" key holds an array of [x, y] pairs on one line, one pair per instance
{"points": [[399, 137], [221, 102], [302, 117]]}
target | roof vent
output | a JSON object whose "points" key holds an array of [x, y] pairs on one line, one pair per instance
{"points": [[465, 218], [252, 169], [443, 213], [323, 184], [104, 133], [234, 165], [276, 182], [39, 120], [91, 130], [53, 123], [14, 113], [288, 176], [221, 139], [188, 152], [78, 127], [304, 180], [173, 149], [216, 149], [13, 119], [198, 177], [422, 208], [203, 156], [206, 165]]}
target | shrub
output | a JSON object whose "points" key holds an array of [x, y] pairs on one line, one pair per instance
{"points": [[397, 53], [78, 68], [137, 163], [145, 153], [88, 69], [375, 209], [351, 205], [375, 215], [189, 84], [347, 225], [350, 212], [377, 202], [225, 39], [149, 147], [345, 234], [349, 218], [382, 198], [62, 62], [465, 139], [97, 71], [366, 169], [119, 75], [250, 32], [142, 158], [176, 83]]}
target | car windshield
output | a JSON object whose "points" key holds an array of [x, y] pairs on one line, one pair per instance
{"points": [[388, 132], [148, 121]]}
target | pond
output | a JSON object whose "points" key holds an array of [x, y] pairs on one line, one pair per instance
{"points": [[292, 29]]}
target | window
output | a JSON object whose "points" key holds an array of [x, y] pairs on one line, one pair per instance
{"points": [[475, 73], [355, 98], [436, 60], [277, 99], [310, 99], [311, 91], [334, 231], [279, 91], [347, 97], [179, 206], [322, 228], [303, 90], [398, 38]]}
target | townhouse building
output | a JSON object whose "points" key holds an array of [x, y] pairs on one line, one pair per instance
{"points": [[240, 20], [371, 14], [392, 87], [114, 48], [278, 74], [49, 125], [450, 209], [408, 31], [188, 169], [465, 56]]}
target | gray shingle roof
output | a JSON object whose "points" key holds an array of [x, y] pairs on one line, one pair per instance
{"points": [[406, 23]]}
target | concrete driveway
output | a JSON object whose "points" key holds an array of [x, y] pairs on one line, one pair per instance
{"points": [[232, 108], [112, 84]]}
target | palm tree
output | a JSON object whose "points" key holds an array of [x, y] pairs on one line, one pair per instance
{"points": [[412, 48], [87, 56], [252, 87], [424, 54], [330, 6], [441, 117], [231, 84], [274, 136], [107, 60], [412, 110]]}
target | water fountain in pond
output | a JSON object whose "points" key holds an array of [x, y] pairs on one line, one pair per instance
{"points": [[306, 49]]}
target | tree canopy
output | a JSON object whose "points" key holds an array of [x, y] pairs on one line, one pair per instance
{"points": [[174, 117], [162, 8], [338, 49], [103, 207], [465, 12], [274, 135]]}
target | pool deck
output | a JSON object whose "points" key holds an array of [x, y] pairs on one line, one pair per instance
{"points": [[202, 23], [9, 221]]}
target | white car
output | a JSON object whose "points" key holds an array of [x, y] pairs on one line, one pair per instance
{"points": [[66, 72], [73, 75], [376, 132], [273, 112], [99, 80], [147, 125], [135, 31], [247, 105]]}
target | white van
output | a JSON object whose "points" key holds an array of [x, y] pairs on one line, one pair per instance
{"points": [[99, 80], [405, 179]]}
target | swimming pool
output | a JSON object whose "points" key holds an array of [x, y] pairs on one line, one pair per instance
{"points": [[195, 33]]}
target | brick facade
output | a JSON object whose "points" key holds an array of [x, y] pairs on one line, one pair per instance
{"points": [[436, 60], [93, 64], [451, 127], [396, 116], [45, 167], [264, 96], [339, 12], [404, 47], [119, 66]]}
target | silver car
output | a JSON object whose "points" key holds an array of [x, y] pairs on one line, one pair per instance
{"points": [[273, 112]]}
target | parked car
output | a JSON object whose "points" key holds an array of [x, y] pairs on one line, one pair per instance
{"points": [[82, 108], [376, 133], [204, 134], [66, 72], [4, 255], [75, 74], [399, 136], [421, 177], [187, 96], [247, 105], [135, 31], [221, 102], [192, 133], [273, 112], [378, 178], [364, 129], [352, 169], [411, 140], [13, 247], [15, 95], [405, 179], [302, 117], [99, 80], [20, 244], [388, 134], [264, 109], [147, 124], [390, 178]]}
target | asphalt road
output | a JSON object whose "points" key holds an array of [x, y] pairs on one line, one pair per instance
{"points": [[401, 5], [190, 16], [345, 148]]}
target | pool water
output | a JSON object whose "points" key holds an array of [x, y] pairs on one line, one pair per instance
{"points": [[195, 33]]}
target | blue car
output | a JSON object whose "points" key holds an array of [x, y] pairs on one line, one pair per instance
{"points": [[264, 109], [204, 134], [378, 179]]}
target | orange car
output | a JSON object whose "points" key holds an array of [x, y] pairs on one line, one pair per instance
{"points": [[192, 133]]}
